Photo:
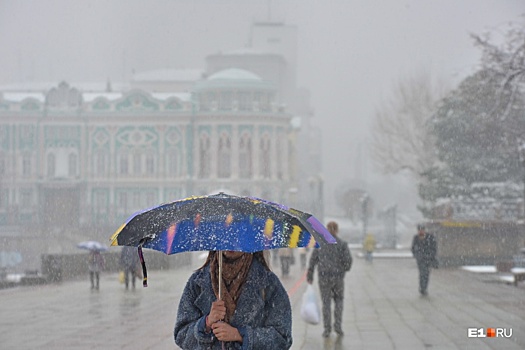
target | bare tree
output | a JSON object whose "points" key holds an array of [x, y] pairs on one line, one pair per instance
{"points": [[507, 60], [401, 140]]}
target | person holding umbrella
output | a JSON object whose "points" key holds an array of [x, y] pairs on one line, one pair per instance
{"points": [[248, 308]]}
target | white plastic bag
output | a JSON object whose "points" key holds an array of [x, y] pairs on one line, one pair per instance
{"points": [[310, 306]]}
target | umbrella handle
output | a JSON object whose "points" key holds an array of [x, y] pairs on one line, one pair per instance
{"points": [[143, 263], [220, 274]]}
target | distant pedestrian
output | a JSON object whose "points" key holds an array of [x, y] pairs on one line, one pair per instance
{"points": [[369, 245], [303, 256], [129, 262], [96, 264], [287, 260], [424, 249], [334, 261]]}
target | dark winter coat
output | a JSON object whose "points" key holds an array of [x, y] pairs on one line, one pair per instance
{"points": [[334, 261], [425, 250], [129, 258], [263, 314]]}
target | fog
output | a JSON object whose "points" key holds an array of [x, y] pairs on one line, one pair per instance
{"points": [[350, 53]]}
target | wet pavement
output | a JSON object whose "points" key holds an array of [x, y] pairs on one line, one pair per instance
{"points": [[383, 310]]}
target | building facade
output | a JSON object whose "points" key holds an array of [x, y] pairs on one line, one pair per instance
{"points": [[76, 160]]}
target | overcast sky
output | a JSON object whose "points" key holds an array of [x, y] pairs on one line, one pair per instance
{"points": [[350, 53]]}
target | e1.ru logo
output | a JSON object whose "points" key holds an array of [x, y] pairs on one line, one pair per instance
{"points": [[489, 332]]}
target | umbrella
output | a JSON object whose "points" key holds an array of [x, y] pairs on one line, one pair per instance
{"points": [[220, 222], [92, 245]]}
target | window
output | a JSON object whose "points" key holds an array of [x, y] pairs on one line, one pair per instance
{"points": [[204, 156], [26, 165], [224, 157], [123, 204], [173, 162], [100, 164], [2, 165], [264, 151], [150, 164], [137, 163], [4, 199], [123, 164], [136, 200], [25, 198], [51, 165], [244, 101], [72, 165], [245, 157], [226, 101]]}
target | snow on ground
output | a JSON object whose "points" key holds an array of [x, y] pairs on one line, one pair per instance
{"points": [[480, 268]]}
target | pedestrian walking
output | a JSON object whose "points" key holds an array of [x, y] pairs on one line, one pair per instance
{"points": [[424, 249], [303, 257], [129, 263], [287, 260], [369, 245], [333, 261], [252, 312], [96, 264]]}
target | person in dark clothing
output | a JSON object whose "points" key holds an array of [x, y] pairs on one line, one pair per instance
{"points": [[334, 261], [129, 262], [424, 249], [252, 312]]}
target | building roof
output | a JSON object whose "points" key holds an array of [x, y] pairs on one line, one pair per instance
{"points": [[168, 75], [234, 78], [234, 74]]}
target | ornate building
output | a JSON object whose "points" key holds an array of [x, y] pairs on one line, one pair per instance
{"points": [[76, 161]]}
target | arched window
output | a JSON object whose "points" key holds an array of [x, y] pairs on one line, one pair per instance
{"points": [[279, 159], [172, 162], [72, 165], [137, 163], [245, 157], [123, 163], [204, 156], [150, 163], [26, 165], [51, 165], [224, 157], [100, 164], [264, 151]]}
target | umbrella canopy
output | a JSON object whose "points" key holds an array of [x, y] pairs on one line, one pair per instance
{"points": [[221, 222], [92, 245]]}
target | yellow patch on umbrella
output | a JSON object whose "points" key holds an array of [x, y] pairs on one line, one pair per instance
{"points": [[311, 243], [294, 237], [229, 219], [268, 228], [113, 238]]}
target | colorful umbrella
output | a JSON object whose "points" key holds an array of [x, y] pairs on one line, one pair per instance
{"points": [[92, 245], [220, 222]]}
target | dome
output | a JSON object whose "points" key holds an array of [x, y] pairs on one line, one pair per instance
{"points": [[234, 74], [234, 79]]}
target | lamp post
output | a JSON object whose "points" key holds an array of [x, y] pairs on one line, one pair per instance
{"points": [[521, 154], [364, 207]]}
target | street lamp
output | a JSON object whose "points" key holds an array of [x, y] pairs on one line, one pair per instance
{"points": [[364, 207], [521, 154]]}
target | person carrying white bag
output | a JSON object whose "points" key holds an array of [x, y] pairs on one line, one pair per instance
{"points": [[333, 261], [310, 306]]}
